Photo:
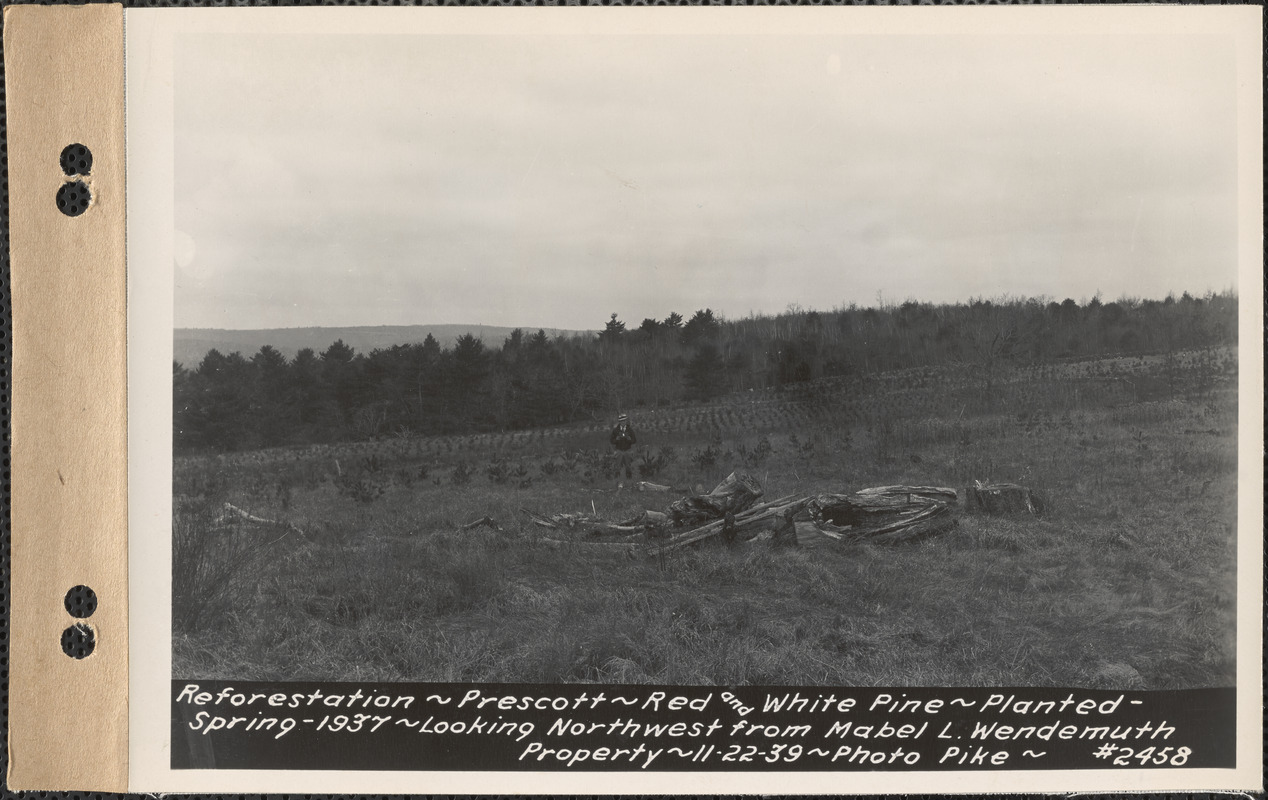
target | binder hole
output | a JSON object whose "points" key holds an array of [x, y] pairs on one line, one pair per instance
{"points": [[81, 602], [72, 198], [78, 641], [76, 159]]}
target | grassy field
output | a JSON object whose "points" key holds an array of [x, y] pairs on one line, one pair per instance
{"points": [[1125, 582]]}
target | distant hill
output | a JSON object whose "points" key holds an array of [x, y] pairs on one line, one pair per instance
{"points": [[193, 343]]}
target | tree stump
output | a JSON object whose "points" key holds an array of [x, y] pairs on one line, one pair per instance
{"points": [[1001, 498]]}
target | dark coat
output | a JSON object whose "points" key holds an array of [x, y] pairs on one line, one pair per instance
{"points": [[622, 437]]}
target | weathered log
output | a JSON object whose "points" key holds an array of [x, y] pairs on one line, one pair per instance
{"points": [[736, 493], [1001, 498], [644, 518], [938, 523], [655, 518], [230, 513], [879, 513], [689, 536], [539, 520], [644, 522], [876, 506], [647, 486], [906, 522], [614, 530], [887, 496], [779, 532], [556, 521], [482, 521], [757, 514]]}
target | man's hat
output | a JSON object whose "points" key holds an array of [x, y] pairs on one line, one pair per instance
{"points": [[623, 418]]}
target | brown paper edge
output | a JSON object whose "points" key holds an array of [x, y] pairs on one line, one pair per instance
{"points": [[68, 719]]}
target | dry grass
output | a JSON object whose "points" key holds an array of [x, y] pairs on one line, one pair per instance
{"points": [[1126, 581]]}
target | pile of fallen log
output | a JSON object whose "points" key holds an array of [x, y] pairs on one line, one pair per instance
{"points": [[731, 513], [732, 496], [592, 524], [885, 514], [731, 526]]}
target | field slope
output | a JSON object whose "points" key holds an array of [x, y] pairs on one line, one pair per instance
{"points": [[365, 571]]}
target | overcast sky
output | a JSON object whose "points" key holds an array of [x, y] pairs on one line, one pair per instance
{"points": [[550, 181]]}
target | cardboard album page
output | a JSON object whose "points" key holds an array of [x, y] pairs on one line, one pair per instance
{"points": [[68, 649], [717, 400]]}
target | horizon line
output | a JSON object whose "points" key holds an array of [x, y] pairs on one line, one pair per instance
{"points": [[881, 305]]}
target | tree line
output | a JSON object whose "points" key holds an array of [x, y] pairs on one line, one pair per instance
{"points": [[233, 402]]}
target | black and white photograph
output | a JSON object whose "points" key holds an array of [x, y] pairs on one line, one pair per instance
{"points": [[734, 358]]}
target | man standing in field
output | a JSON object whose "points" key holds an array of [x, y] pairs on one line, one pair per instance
{"points": [[622, 438]]}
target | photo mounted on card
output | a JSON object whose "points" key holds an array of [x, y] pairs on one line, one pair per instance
{"points": [[732, 400]]}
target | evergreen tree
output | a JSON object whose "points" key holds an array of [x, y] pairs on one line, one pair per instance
{"points": [[227, 386], [340, 368], [431, 349], [539, 343], [272, 383], [613, 331], [649, 328], [311, 401], [702, 325], [469, 369]]}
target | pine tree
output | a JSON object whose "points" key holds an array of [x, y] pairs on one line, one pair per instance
{"points": [[613, 331]]}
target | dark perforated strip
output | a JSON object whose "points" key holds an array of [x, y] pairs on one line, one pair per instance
{"points": [[6, 337]]}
